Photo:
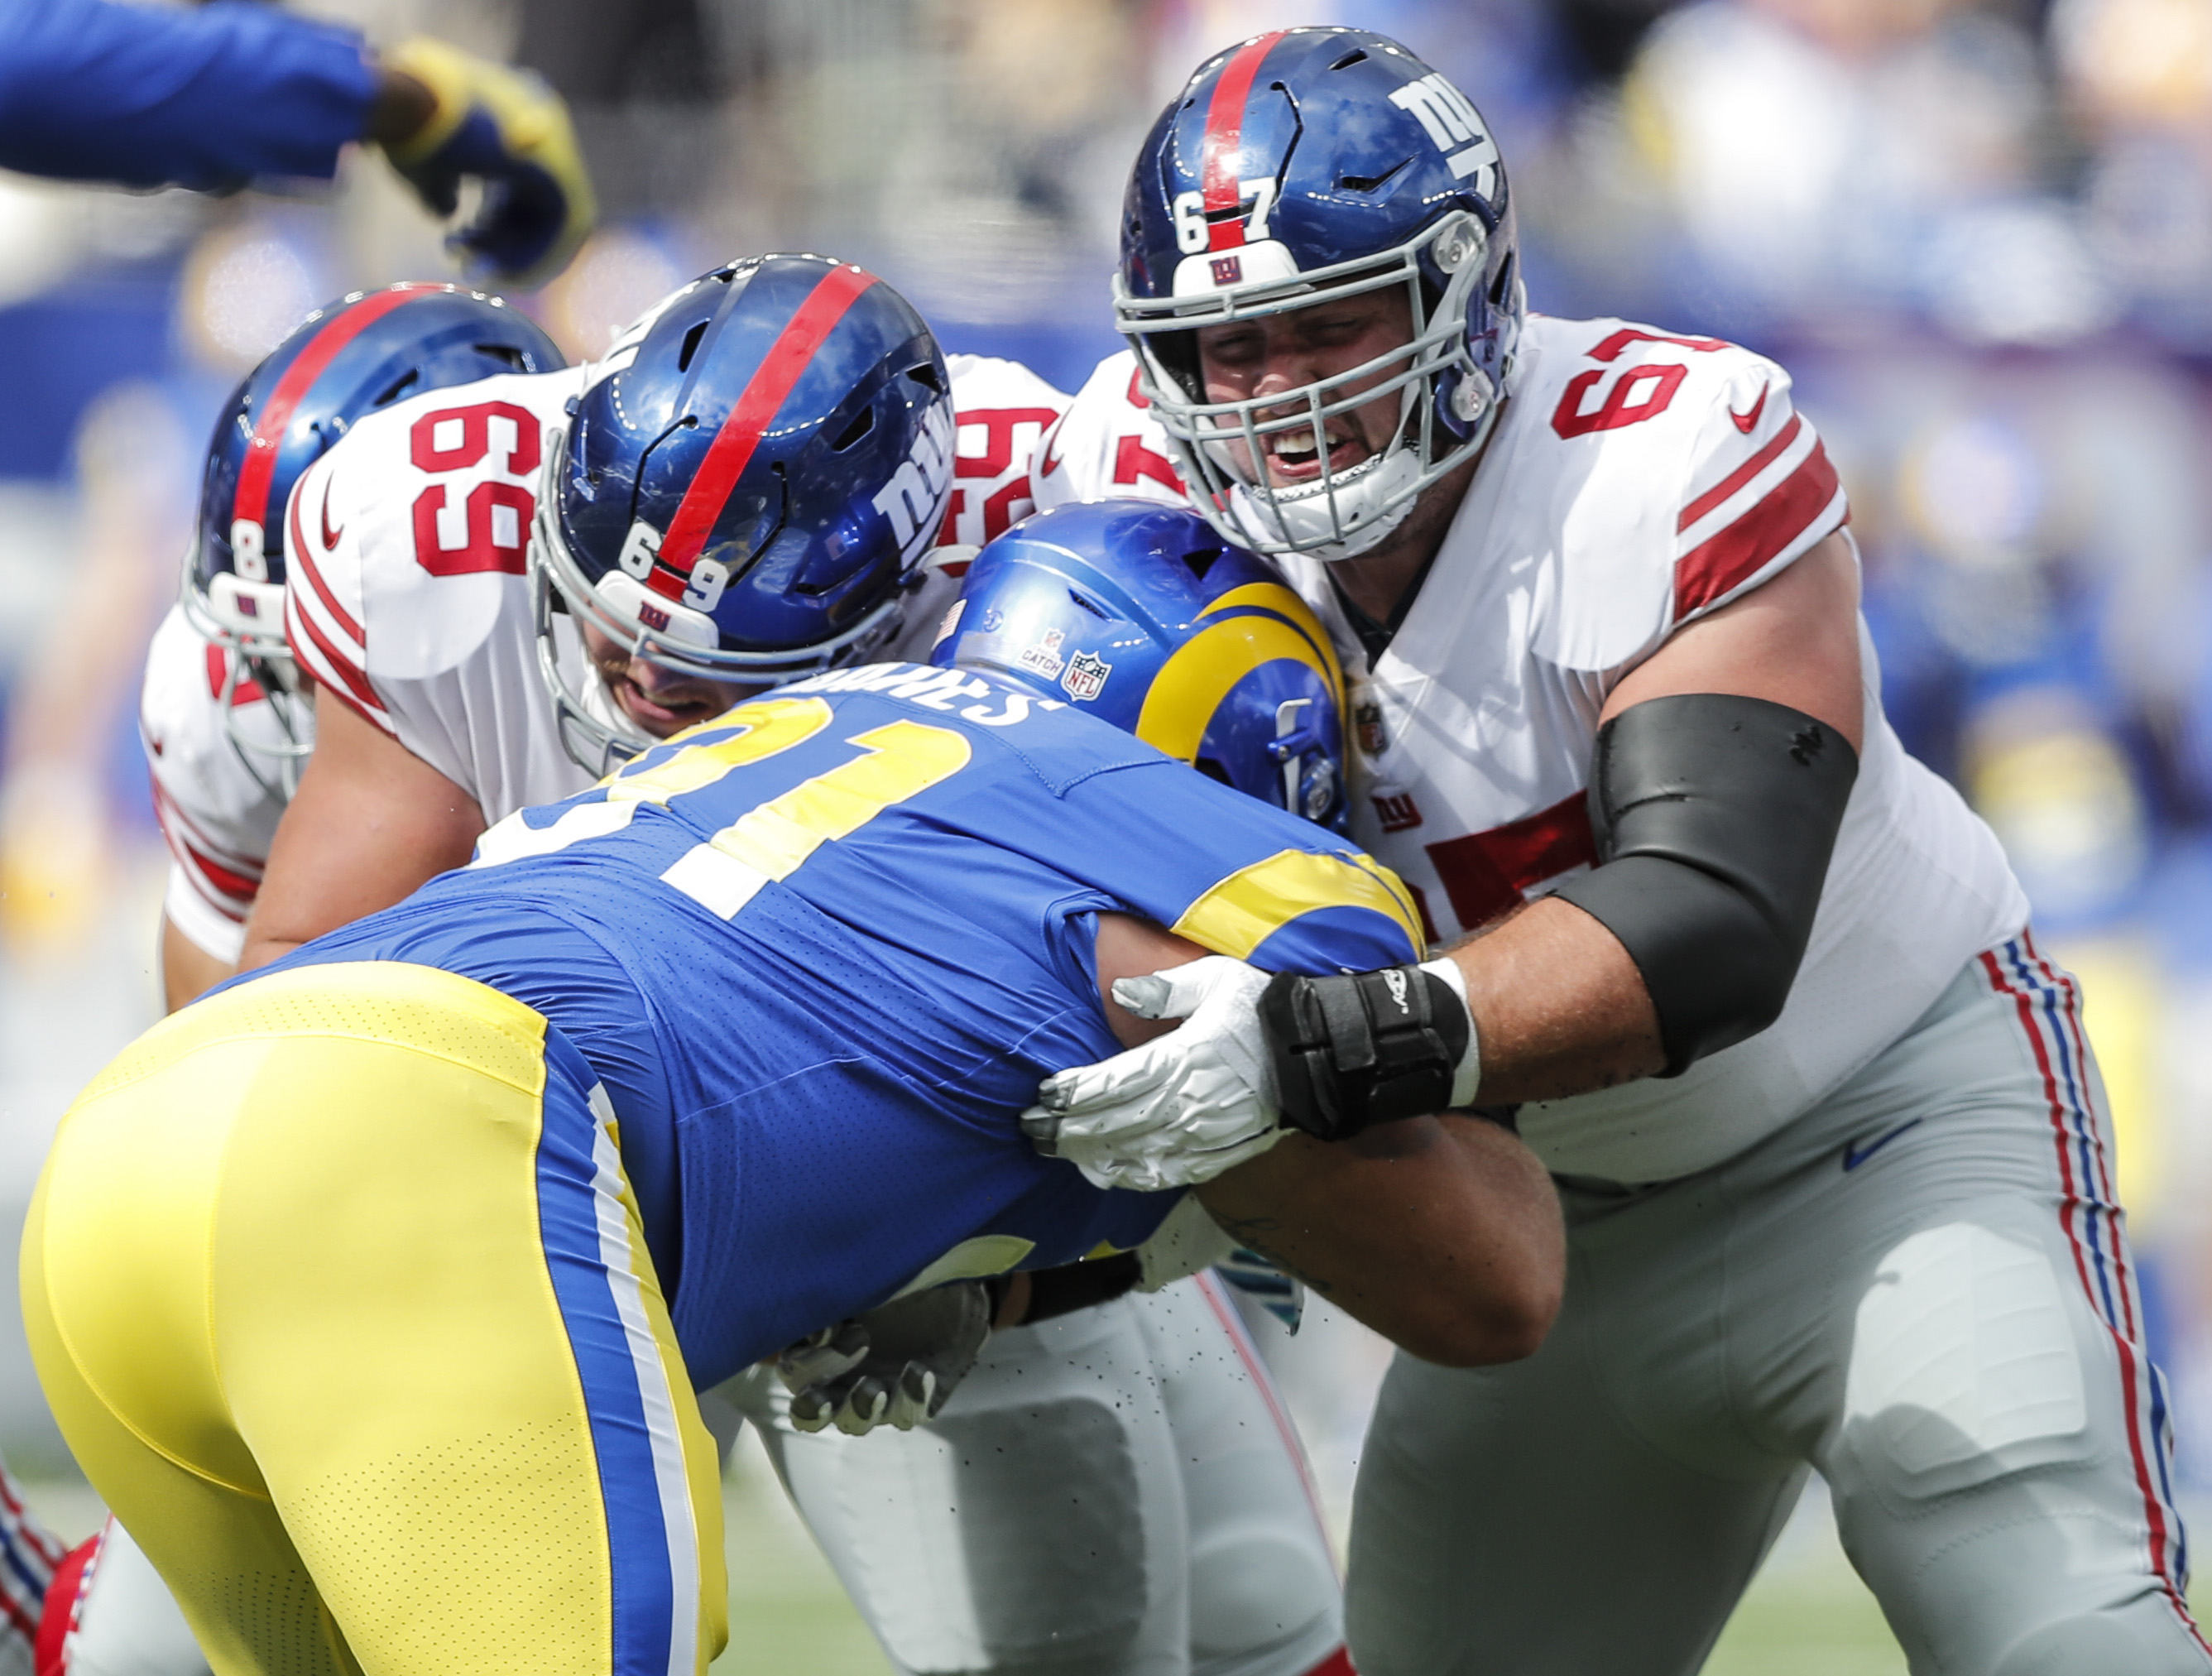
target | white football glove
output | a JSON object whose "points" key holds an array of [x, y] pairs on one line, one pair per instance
{"points": [[894, 1365], [1177, 1111]]}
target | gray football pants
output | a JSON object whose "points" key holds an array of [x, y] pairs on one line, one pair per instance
{"points": [[1922, 1288], [1114, 1492]]}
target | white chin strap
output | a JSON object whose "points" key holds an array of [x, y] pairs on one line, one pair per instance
{"points": [[1308, 519]]}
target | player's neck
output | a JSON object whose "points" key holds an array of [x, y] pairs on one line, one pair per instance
{"points": [[1378, 581]]}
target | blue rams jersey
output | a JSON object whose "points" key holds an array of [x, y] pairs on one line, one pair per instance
{"points": [[821, 951]]}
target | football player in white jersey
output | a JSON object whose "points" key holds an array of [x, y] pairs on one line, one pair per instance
{"points": [[223, 723], [225, 728], [1757, 986], [411, 604]]}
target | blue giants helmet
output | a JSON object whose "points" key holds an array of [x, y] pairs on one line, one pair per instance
{"points": [[1304, 166], [364, 352], [1142, 615], [752, 478]]}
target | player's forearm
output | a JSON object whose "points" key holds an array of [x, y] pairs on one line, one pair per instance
{"points": [[1442, 1233], [188, 971], [1558, 1006]]}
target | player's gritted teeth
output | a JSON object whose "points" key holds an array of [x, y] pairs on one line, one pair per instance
{"points": [[661, 701], [1293, 456], [1342, 346]]}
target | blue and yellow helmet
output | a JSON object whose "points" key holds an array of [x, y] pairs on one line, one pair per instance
{"points": [[1142, 614]]}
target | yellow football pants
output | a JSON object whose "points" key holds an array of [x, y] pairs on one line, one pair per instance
{"points": [[338, 1293]]}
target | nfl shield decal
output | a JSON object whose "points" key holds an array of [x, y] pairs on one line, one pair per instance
{"points": [[1086, 675]]}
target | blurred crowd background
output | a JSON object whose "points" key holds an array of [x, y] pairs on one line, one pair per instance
{"points": [[1978, 232]]}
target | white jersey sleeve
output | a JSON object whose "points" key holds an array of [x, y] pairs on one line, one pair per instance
{"points": [[1109, 445], [406, 596], [217, 815], [1671, 475], [1003, 412]]}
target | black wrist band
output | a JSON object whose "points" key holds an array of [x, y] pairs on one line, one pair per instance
{"points": [[1363, 1049]]}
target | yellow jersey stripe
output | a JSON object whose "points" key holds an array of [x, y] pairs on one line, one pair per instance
{"points": [[1242, 911]]}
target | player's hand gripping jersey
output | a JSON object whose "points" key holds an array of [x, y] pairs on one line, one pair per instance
{"points": [[818, 1003], [408, 600]]}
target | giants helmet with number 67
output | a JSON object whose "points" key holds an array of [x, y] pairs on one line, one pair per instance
{"points": [[750, 480], [1143, 616], [1306, 164], [365, 352]]}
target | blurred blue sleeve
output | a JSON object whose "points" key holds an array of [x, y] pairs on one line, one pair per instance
{"points": [[208, 97]]}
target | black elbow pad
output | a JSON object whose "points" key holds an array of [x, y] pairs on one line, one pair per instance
{"points": [[1715, 817]]}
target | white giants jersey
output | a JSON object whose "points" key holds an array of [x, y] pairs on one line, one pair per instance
{"points": [[406, 591], [218, 811], [1108, 445], [1002, 411], [1637, 482]]}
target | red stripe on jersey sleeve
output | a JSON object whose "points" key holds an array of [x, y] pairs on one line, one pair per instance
{"points": [[300, 558], [1742, 475], [214, 880], [1719, 566], [236, 886], [330, 663]]}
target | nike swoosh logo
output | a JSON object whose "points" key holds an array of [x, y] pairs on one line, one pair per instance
{"points": [[329, 535], [1856, 1155], [1744, 422]]}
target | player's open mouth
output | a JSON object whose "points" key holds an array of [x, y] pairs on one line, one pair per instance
{"points": [[1293, 458], [669, 713]]}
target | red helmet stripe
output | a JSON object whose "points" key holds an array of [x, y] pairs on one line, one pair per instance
{"points": [[252, 502], [1224, 136], [732, 450]]}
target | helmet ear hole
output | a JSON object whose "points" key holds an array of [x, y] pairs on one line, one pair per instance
{"points": [[1212, 769]]}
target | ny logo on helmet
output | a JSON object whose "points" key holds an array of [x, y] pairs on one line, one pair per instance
{"points": [[1452, 124], [914, 500]]}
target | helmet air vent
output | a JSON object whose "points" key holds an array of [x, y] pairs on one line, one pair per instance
{"points": [[690, 345], [1368, 183], [1356, 56], [1201, 560], [1090, 605], [398, 387], [863, 422], [925, 375]]}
